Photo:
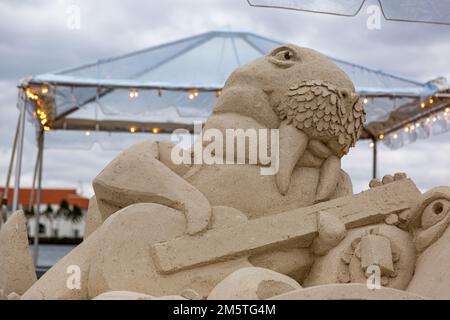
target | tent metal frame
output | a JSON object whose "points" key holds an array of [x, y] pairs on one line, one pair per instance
{"points": [[17, 156]]}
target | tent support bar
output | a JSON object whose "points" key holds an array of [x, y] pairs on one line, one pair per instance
{"points": [[4, 201], [171, 57], [20, 138], [236, 55], [39, 164], [33, 184], [374, 159]]}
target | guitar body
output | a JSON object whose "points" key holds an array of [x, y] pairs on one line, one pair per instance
{"points": [[130, 234], [118, 257]]}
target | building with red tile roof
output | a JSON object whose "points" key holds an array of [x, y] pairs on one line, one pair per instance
{"points": [[49, 196]]}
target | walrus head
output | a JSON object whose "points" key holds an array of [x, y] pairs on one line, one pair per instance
{"points": [[299, 88]]}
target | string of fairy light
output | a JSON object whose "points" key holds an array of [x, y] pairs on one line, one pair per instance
{"points": [[40, 112], [191, 94], [35, 94], [410, 127]]}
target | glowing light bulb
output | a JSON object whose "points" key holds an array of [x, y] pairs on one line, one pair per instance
{"points": [[44, 90], [46, 128], [417, 125], [422, 105], [412, 127], [134, 93], [218, 93], [431, 101], [406, 129], [191, 96], [434, 119], [156, 130], [381, 136], [366, 101], [30, 94], [132, 129], [196, 93], [87, 133], [371, 145], [395, 136], [44, 121]]}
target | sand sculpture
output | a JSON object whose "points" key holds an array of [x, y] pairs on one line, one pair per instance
{"points": [[17, 272], [159, 230]]}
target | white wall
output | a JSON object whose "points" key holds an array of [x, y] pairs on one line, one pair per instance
{"points": [[64, 228]]}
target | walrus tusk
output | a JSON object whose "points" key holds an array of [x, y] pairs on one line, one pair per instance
{"points": [[293, 143], [328, 179]]}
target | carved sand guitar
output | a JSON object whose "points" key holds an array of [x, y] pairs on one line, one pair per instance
{"points": [[166, 261], [298, 228]]}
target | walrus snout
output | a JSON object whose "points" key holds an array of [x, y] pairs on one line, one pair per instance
{"points": [[318, 110]]}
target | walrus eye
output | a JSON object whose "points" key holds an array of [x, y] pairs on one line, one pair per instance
{"points": [[283, 57]]}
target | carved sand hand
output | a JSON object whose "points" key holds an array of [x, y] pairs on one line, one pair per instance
{"points": [[387, 179], [331, 232], [122, 183]]}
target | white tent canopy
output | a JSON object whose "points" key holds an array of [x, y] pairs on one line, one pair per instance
{"points": [[177, 83]]}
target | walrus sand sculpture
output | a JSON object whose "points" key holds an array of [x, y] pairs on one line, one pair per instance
{"points": [[276, 92], [252, 98], [160, 229]]}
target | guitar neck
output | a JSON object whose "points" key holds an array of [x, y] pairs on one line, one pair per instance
{"points": [[295, 227]]}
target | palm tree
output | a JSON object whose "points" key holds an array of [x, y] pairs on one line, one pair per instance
{"points": [[29, 212], [50, 214], [74, 213], [48, 211], [64, 209]]}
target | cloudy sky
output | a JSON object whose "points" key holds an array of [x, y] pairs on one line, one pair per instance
{"points": [[34, 38]]}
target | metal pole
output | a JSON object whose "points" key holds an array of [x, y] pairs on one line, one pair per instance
{"points": [[20, 138], [38, 199], [4, 201], [375, 160], [33, 184]]}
